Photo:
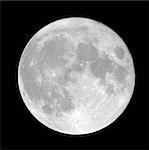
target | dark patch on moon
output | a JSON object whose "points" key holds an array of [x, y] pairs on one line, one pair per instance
{"points": [[86, 52], [119, 52]]}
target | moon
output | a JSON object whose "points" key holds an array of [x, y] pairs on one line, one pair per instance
{"points": [[76, 76]]}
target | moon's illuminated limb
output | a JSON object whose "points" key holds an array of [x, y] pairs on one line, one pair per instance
{"points": [[46, 68]]}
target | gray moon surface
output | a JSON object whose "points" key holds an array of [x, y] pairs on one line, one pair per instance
{"points": [[76, 76]]}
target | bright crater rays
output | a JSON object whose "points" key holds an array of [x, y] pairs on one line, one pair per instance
{"points": [[76, 76]]}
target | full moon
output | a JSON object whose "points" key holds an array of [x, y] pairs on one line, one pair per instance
{"points": [[76, 76]]}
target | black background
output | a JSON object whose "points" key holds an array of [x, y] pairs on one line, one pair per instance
{"points": [[20, 21]]}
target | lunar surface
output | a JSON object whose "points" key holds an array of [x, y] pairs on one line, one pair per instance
{"points": [[76, 76]]}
